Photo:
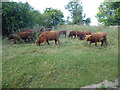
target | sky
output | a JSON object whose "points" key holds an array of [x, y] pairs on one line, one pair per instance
{"points": [[90, 7]]}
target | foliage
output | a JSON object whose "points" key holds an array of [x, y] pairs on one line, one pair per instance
{"points": [[87, 21], [15, 16], [54, 17], [76, 9], [109, 13]]}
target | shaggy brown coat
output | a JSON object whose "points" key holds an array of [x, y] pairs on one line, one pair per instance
{"points": [[27, 30], [21, 35], [72, 34], [46, 36], [80, 35], [86, 32], [97, 37]]}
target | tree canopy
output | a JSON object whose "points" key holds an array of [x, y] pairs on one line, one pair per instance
{"points": [[76, 9], [15, 16], [109, 13], [56, 16], [21, 15]]}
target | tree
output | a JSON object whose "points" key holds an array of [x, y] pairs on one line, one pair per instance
{"points": [[20, 15], [76, 9], [109, 13], [54, 17], [87, 21], [16, 16]]}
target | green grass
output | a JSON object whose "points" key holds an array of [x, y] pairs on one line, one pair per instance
{"points": [[73, 63]]}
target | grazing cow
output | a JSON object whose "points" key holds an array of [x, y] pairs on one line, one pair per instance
{"points": [[21, 35], [97, 37], [63, 33], [80, 35], [14, 37], [46, 36], [32, 31], [72, 33], [86, 32]]}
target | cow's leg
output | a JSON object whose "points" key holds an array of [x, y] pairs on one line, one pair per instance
{"points": [[28, 40], [96, 44], [48, 42], [55, 41], [90, 44], [25, 40], [58, 41], [15, 41], [106, 42], [44, 42], [74, 36], [102, 43]]}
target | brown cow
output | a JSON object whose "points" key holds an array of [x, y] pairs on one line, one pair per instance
{"points": [[21, 35], [27, 30], [63, 33], [72, 34], [32, 31], [80, 35], [46, 36], [86, 32], [97, 37]]}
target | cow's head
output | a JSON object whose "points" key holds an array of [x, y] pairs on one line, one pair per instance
{"points": [[88, 37], [82, 36], [37, 42]]}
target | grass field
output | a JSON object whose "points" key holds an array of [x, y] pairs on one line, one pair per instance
{"points": [[73, 63]]}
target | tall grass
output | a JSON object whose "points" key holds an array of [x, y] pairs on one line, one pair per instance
{"points": [[73, 63]]}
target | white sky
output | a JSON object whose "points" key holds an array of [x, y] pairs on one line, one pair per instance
{"points": [[90, 7]]}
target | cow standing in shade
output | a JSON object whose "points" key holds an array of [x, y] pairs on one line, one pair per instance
{"points": [[26, 36]]}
